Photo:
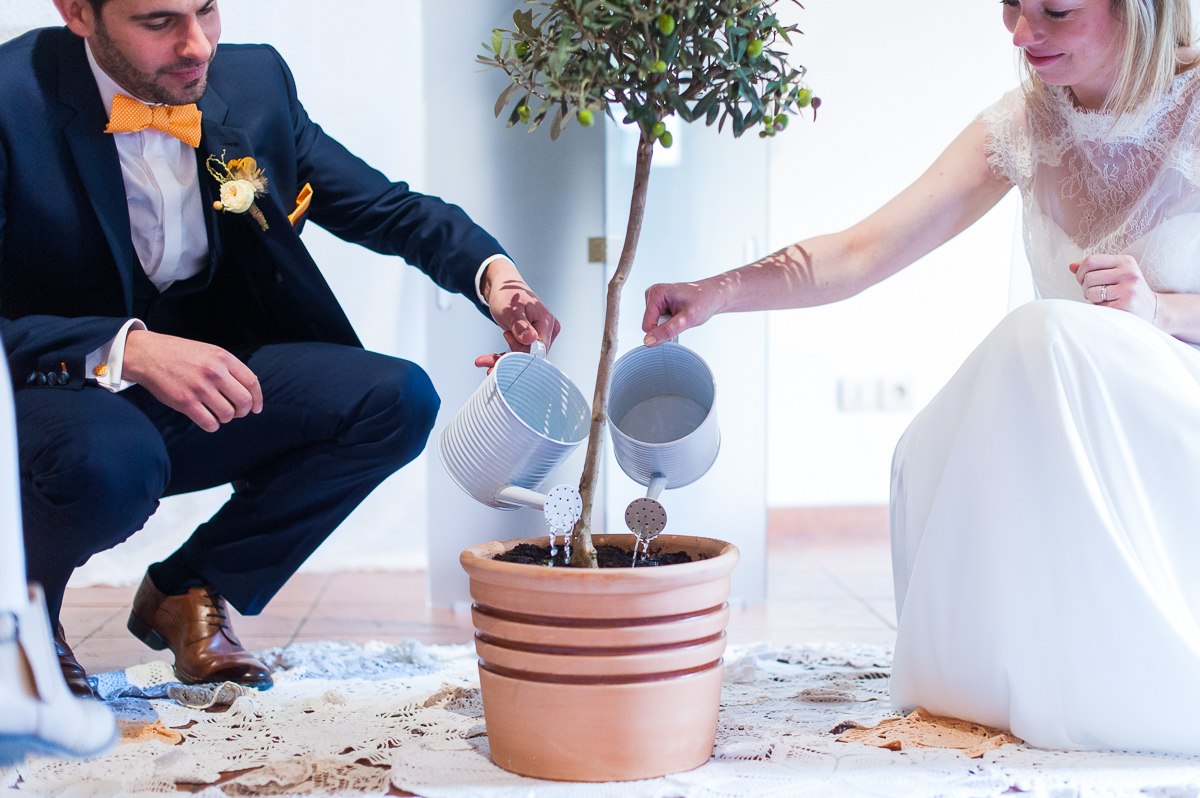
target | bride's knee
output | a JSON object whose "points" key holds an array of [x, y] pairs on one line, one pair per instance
{"points": [[1041, 322]]}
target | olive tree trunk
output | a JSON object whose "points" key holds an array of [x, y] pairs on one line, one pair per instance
{"points": [[583, 554]]}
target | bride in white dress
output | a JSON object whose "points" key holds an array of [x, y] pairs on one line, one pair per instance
{"points": [[1045, 505]]}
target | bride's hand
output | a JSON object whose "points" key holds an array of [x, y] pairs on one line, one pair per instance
{"points": [[687, 304], [1116, 281]]}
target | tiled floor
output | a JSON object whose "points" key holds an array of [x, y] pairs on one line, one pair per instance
{"points": [[822, 588], [822, 592]]}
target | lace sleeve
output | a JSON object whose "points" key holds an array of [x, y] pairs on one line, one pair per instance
{"points": [[1008, 147]]}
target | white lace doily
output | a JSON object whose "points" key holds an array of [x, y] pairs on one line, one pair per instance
{"points": [[346, 719]]}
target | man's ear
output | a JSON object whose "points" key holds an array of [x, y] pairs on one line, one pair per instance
{"points": [[79, 16]]}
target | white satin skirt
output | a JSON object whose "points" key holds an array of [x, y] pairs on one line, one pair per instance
{"points": [[13, 592], [1045, 522]]}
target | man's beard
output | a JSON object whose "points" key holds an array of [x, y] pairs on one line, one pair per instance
{"points": [[145, 86]]}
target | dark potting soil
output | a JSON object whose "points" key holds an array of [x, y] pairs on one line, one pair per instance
{"points": [[608, 556]]}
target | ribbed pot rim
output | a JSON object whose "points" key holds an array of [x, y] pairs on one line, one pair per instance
{"points": [[723, 557]]}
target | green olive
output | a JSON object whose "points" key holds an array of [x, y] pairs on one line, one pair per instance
{"points": [[585, 118], [658, 129], [666, 24], [804, 98], [659, 66], [523, 114], [521, 49], [754, 48], [666, 140]]}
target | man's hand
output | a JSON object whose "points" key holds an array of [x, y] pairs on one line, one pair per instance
{"points": [[518, 311], [204, 382]]}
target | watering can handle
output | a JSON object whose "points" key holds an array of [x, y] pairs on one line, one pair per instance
{"points": [[538, 349], [663, 319]]}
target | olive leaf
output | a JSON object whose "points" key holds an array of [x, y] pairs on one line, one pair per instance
{"points": [[593, 53], [505, 96], [559, 122]]}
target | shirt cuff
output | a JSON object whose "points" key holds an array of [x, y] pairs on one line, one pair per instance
{"points": [[482, 269], [105, 364]]}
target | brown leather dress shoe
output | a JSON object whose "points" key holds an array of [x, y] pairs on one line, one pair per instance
{"points": [[73, 672], [195, 626]]}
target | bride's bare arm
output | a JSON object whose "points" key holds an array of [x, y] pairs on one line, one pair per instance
{"points": [[955, 191]]}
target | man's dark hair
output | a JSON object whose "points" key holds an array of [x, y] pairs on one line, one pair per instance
{"points": [[97, 5]]}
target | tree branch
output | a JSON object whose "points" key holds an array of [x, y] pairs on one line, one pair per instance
{"points": [[583, 554]]}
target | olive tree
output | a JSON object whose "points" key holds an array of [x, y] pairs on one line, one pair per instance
{"points": [[715, 60]]}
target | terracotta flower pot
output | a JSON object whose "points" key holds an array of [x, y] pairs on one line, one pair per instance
{"points": [[607, 674]]}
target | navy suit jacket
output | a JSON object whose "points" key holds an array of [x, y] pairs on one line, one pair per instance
{"points": [[69, 275]]}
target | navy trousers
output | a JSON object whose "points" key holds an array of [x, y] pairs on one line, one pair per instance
{"points": [[336, 422]]}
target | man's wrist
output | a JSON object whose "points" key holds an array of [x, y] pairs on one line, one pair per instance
{"points": [[485, 278], [106, 365]]}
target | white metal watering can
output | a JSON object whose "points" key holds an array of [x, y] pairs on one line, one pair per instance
{"points": [[663, 420], [519, 425]]}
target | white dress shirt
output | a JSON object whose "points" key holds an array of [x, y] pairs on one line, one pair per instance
{"points": [[166, 219]]}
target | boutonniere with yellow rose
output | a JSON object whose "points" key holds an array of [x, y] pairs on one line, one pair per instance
{"points": [[241, 181]]}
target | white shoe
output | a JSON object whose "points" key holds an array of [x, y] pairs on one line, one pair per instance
{"points": [[38, 713]]}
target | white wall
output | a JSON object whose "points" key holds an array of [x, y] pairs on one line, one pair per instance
{"points": [[18, 16], [359, 74], [898, 81]]}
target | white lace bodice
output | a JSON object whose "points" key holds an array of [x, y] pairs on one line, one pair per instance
{"points": [[1137, 193]]}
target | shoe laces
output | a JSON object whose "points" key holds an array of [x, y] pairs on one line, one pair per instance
{"points": [[218, 604]]}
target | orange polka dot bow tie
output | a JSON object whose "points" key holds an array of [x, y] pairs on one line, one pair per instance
{"points": [[131, 116]]}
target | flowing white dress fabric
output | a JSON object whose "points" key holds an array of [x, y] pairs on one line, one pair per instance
{"points": [[13, 592], [1045, 506]]}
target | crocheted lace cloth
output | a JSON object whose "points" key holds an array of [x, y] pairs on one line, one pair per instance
{"points": [[347, 719], [1086, 190]]}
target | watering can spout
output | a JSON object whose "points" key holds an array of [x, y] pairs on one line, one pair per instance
{"points": [[529, 498], [658, 483], [647, 518], [562, 506]]}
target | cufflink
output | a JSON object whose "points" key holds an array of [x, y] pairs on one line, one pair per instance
{"points": [[100, 370]]}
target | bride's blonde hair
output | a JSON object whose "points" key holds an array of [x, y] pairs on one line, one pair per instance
{"points": [[1154, 31]]}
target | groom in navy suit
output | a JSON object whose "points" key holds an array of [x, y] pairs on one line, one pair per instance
{"points": [[161, 342]]}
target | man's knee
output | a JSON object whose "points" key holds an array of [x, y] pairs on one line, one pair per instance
{"points": [[398, 411], [99, 481]]}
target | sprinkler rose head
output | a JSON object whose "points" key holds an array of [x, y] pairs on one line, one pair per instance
{"points": [[645, 518], [564, 506]]}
